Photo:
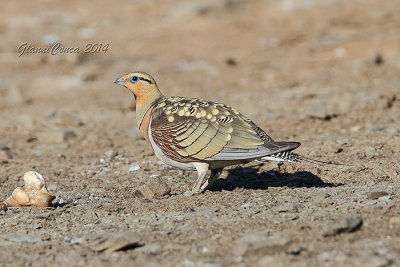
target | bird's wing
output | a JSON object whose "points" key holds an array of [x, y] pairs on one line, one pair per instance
{"points": [[199, 130]]}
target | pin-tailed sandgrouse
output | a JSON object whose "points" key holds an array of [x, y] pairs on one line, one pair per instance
{"points": [[190, 133]]}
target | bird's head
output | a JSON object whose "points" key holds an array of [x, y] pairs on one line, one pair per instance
{"points": [[145, 89], [141, 84]]}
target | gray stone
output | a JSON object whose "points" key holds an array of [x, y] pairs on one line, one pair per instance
{"points": [[134, 167], [78, 240], [375, 261], [270, 260], [155, 187], [117, 241], [289, 208], [18, 238], [343, 225], [44, 215], [151, 249], [376, 194], [370, 151], [110, 154], [259, 244], [385, 198]]}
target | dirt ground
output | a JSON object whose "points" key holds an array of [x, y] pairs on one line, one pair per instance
{"points": [[324, 73]]}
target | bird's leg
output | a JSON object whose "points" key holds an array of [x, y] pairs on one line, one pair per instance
{"points": [[213, 177], [202, 169]]}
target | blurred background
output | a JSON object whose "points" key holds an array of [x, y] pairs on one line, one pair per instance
{"points": [[278, 62], [279, 56], [325, 73]]}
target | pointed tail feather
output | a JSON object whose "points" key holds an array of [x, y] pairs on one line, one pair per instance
{"points": [[301, 158], [293, 157]]}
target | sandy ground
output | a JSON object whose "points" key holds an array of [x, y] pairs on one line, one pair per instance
{"points": [[324, 73]]}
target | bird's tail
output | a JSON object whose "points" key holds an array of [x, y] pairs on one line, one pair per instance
{"points": [[293, 157]]}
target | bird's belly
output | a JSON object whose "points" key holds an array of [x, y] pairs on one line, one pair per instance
{"points": [[218, 164], [173, 163]]}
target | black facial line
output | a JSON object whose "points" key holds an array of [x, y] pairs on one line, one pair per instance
{"points": [[146, 80]]}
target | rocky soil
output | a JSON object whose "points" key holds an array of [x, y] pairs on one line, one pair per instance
{"points": [[324, 73]]}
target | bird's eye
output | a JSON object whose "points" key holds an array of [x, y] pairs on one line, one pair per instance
{"points": [[134, 79]]}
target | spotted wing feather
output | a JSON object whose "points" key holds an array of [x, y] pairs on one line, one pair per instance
{"points": [[199, 130]]}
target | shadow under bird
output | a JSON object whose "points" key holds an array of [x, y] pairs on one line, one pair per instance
{"points": [[190, 133]]}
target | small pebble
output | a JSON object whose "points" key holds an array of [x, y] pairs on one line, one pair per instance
{"points": [[134, 167], [370, 151], [376, 194], [18, 238], [343, 225], [116, 242], [110, 154], [78, 240], [155, 187], [260, 244]]}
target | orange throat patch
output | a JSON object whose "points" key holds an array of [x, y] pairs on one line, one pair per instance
{"points": [[144, 126]]}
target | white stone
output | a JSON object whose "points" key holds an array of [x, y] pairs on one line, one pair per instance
{"points": [[134, 167], [34, 180]]}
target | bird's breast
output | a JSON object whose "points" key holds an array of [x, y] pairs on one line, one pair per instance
{"points": [[144, 126]]}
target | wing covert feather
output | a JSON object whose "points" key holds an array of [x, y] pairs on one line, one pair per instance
{"points": [[198, 130]]}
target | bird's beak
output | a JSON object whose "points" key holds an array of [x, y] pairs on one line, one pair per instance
{"points": [[120, 81]]}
